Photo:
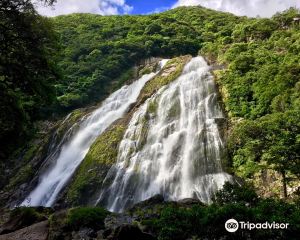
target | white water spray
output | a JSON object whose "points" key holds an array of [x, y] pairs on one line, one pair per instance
{"points": [[172, 145], [74, 150]]}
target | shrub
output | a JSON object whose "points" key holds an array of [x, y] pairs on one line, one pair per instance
{"points": [[234, 193], [92, 217]]}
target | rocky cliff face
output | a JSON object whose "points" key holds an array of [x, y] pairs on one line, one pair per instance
{"points": [[30, 160]]}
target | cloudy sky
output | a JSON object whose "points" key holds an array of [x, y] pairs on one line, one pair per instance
{"points": [[252, 8]]}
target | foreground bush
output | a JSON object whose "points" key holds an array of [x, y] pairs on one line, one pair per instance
{"points": [[92, 217]]}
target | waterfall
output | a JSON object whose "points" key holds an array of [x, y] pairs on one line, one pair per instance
{"points": [[172, 145], [74, 149]]}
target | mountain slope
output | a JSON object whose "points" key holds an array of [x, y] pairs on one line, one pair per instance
{"points": [[97, 49], [260, 76], [260, 61]]}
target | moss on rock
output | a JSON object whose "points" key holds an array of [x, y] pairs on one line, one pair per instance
{"points": [[169, 73], [91, 173], [22, 176], [174, 111], [152, 106], [146, 70]]}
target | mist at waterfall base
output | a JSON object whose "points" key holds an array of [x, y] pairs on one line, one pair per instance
{"points": [[74, 150], [172, 145]]}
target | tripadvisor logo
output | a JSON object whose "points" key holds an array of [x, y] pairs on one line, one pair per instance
{"points": [[233, 225]]}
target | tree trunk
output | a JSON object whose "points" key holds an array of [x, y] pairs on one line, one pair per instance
{"points": [[284, 184]]}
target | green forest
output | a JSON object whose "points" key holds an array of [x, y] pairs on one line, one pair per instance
{"points": [[52, 66]]}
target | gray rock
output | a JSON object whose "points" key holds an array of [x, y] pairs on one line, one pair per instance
{"points": [[84, 234], [38, 231], [115, 220], [156, 199]]}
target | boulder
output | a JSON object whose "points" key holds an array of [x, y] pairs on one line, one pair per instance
{"points": [[84, 233], [156, 199], [38, 231]]}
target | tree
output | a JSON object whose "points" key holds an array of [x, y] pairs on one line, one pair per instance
{"points": [[273, 138], [27, 69], [282, 133]]}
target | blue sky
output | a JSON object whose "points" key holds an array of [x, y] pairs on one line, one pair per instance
{"points": [[251, 8], [144, 7]]}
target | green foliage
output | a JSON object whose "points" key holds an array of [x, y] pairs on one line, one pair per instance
{"points": [[272, 139], [261, 86], [263, 65], [175, 224], [97, 49], [207, 222], [29, 213], [27, 70], [92, 217], [234, 193]]}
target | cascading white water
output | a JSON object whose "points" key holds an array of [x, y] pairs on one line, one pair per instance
{"points": [[74, 150], [172, 145]]}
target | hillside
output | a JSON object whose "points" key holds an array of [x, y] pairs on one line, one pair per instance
{"points": [[260, 76], [247, 100]]}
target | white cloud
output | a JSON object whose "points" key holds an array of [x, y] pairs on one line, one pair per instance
{"points": [[251, 8], [158, 10], [103, 7]]}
